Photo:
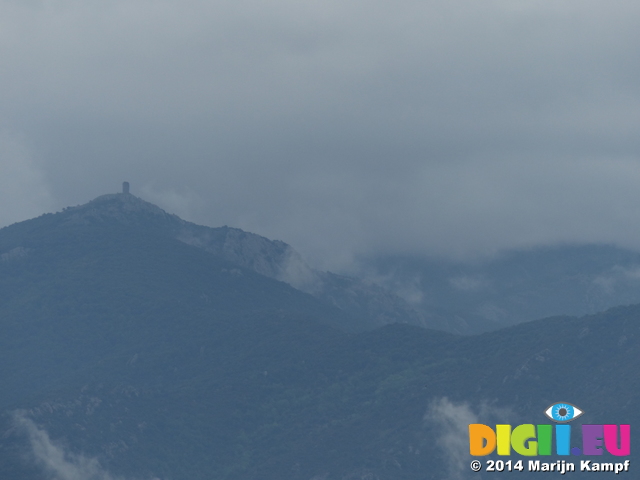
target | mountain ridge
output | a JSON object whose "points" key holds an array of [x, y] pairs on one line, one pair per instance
{"points": [[271, 258], [126, 352]]}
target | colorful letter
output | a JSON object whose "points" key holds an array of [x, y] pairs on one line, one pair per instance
{"points": [[503, 433], [523, 435], [563, 439], [592, 439], [611, 439], [478, 435], [544, 439]]}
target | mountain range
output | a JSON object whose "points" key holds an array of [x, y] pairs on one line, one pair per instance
{"points": [[512, 286], [136, 345]]}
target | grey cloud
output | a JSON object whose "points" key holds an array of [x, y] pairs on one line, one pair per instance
{"points": [[342, 128]]}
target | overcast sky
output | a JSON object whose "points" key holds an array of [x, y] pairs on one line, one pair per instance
{"points": [[341, 127]]}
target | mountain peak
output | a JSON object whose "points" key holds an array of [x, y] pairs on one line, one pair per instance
{"points": [[123, 207]]}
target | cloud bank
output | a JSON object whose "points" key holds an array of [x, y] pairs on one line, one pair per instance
{"points": [[342, 128]]}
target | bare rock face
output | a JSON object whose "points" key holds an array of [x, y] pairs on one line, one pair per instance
{"points": [[271, 258]]}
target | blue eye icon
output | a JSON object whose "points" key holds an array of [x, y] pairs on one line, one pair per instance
{"points": [[563, 412]]}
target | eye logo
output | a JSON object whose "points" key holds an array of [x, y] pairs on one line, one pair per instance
{"points": [[563, 412]]}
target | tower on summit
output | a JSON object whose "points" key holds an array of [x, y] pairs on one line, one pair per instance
{"points": [[125, 187]]}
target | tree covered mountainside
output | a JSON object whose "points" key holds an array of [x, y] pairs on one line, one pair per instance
{"points": [[138, 346]]}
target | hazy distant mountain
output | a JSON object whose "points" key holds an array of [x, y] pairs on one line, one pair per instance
{"points": [[513, 287], [132, 348]]}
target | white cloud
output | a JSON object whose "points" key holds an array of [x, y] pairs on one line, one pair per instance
{"points": [[56, 460], [452, 422]]}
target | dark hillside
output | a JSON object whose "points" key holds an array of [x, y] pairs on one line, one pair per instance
{"points": [[162, 360]]}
